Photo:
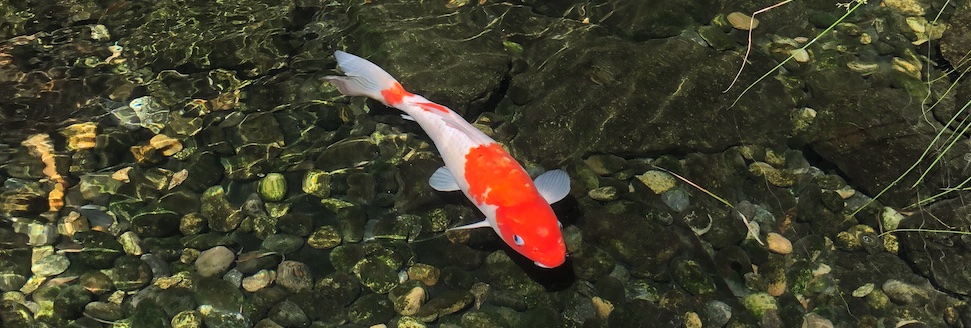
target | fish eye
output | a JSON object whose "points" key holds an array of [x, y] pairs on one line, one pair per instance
{"points": [[518, 240]]}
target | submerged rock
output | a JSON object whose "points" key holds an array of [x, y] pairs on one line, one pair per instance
{"points": [[317, 183], [348, 153], [742, 21], [258, 280], [481, 319], [187, 319], [658, 181], [273, 187], [371, 309], [425, 273], [956, 40], [759, 304], [221, 215], [952, 272], [692, 278], [130, 273], [214, 261], [148, 314], [376, 275], [96, 282], [340, 288], [51, 265], [288, 314], [444, 304], [407, 299], [778, 244], [218, 294], [70, 302], [609, 124], [11, 281], [155, 221], [294, 276], [282, 244], [218, 318], [325, 237], [104, 311]]}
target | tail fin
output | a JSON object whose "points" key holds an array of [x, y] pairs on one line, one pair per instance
{"points": [[364, 78]]}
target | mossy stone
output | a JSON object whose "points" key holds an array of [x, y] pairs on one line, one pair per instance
{"points": [[344, 257], [149, 315], [325, 237], [341, 288], [376, 275], [282, 243], [187, 319], [759, 303], [317, 183], [692, 277], [70, 302], [130, 273], [371, 309], [273, 187]]}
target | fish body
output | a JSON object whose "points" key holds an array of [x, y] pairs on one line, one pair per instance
{"points": [[515, 206]]}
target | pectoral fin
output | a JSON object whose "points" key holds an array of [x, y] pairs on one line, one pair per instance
{"points": [[553, 185], [480, 224], [442, 180]]}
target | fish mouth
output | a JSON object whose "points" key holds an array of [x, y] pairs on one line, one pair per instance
{"points": [[541, 265], [549, 262]]}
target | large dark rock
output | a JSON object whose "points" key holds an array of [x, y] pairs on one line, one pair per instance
{"points": [[460, 62], [638, 20], [249, 35], [607, 95], [956, 41], [942, 257], [874, 134]]}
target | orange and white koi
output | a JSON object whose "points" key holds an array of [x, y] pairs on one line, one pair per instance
{"points": [[515, 206]]}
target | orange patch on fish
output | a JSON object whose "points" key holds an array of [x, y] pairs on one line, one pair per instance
{"points": [[529, 214], [495, 177], [428, 106], [394, 94]]}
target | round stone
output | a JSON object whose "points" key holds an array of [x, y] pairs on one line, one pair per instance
{"points": [[294, 276], [11, 281], [742, 21], [214, 261], [408, 303], [51, 265], [325, 237], [259, 280], [603, 194], [658, 181], [778, 244], [425, 273], [273, 187]]}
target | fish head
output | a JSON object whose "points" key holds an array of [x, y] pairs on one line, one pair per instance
{"points": [[533, 231]]}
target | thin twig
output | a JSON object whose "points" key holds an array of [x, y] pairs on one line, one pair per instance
{"points": [[748, 47]]}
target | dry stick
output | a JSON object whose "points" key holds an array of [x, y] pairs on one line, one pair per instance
{"points": [[748, 47]]}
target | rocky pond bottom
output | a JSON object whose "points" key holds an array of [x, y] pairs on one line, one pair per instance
{"points": [[184, 164], [356, 238]]}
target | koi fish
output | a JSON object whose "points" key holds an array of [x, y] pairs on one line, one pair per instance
{"points": [[515, 206]]}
